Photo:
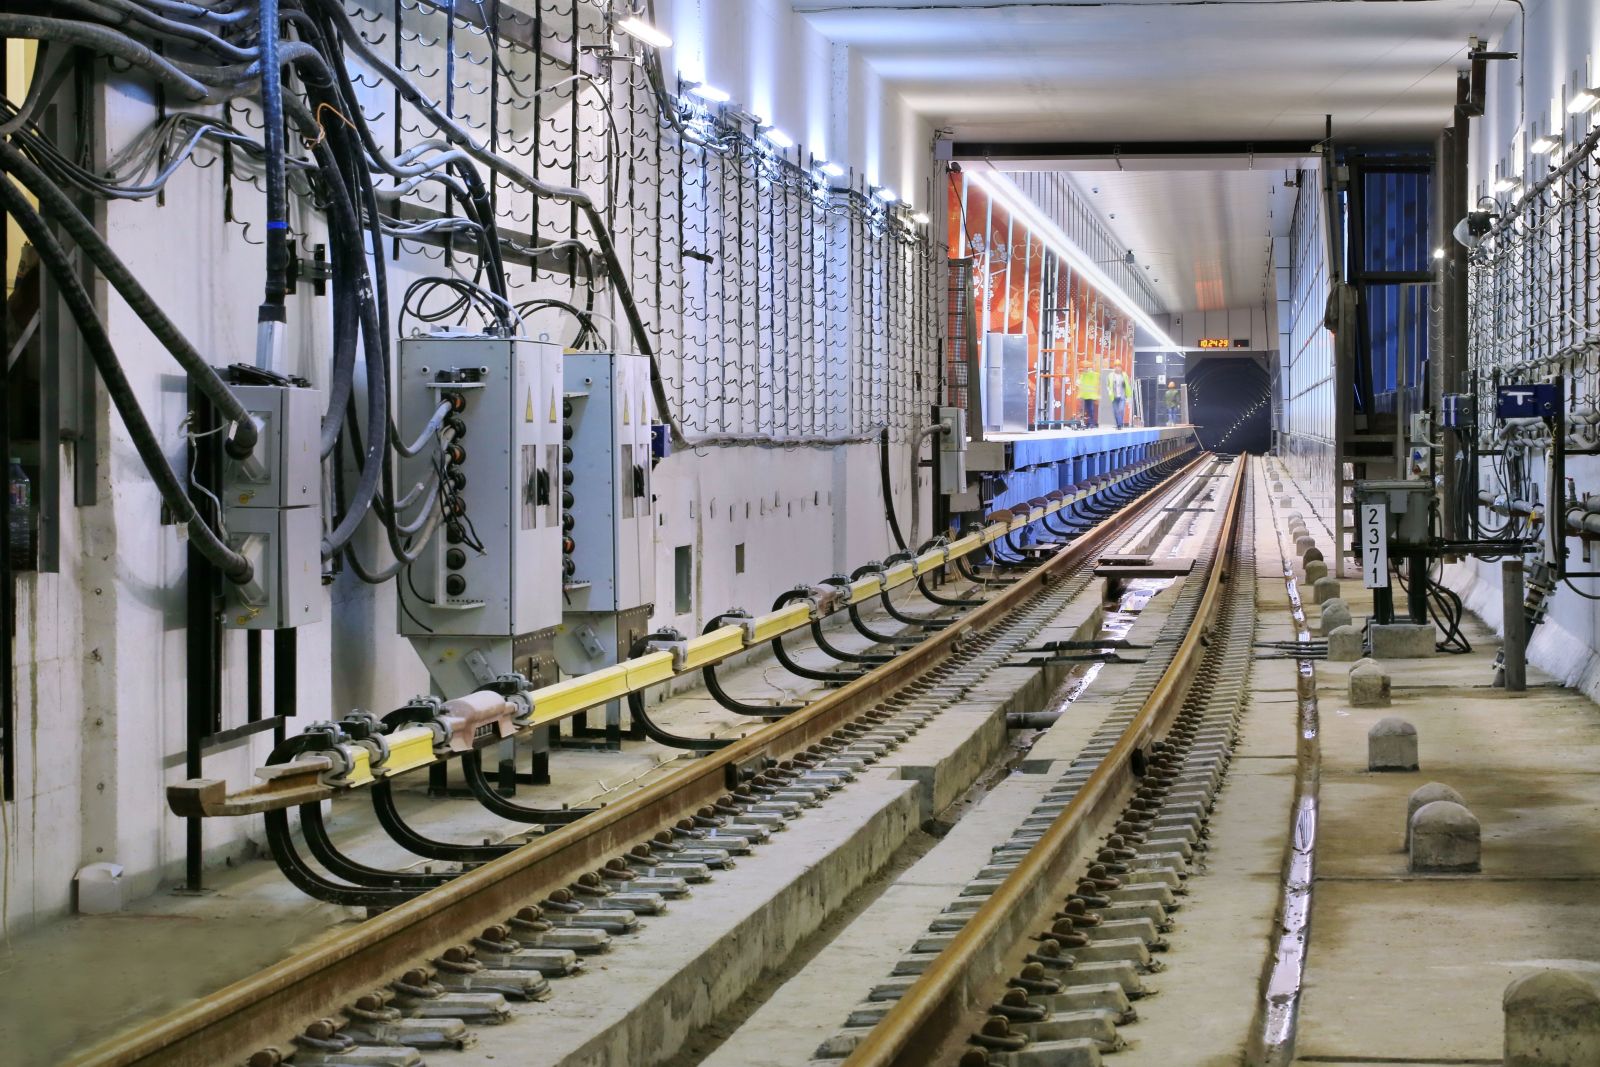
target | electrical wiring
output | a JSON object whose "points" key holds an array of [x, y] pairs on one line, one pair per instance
{"points": [[56, 260], [60, 208]]}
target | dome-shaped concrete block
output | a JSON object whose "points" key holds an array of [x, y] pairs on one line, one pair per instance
{"points": [[1303, 542], [1316, 570], [1425, 795], [1325, 589], [1445, 837], [1311, 555], [1552, 1020], [1391, 744], [1294, 516], [1283, 501], [1345, 643], [1335, 613], [1277, 487], [1369, 685]]}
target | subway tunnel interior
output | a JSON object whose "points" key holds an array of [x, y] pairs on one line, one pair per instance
{"points": [[767, 532]]}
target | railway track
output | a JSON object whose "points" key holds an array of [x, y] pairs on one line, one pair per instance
{"points": [[424, 974], [1040, 959]]}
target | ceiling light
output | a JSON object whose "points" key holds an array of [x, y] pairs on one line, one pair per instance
{"points": [[710, 92], [921, 218], [1507, 185], [887, 195], [1545, 145], [642, 31], [1000, 188], [1583, 100], [1438, 253], [780, 139], [832, 170]]}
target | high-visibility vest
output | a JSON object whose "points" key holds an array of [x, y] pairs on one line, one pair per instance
{"points": [[1089, 384]]}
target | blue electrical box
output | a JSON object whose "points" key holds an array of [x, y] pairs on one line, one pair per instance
{"points": [[1456, 410], [660, 441], [1527, 401]]}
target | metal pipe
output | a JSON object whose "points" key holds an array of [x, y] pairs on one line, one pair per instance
{"points": [[1514, 667]]}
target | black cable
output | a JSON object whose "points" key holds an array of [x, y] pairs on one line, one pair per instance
{"points": [[61, 208], [888, 493], [173, 493]]}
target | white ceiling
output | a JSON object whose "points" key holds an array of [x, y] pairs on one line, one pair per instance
{"points": [[1155, 69], [1202, 237], [1132, 70]]}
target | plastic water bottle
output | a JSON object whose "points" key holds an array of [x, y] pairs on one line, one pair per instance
{"points": [[21, 528]]}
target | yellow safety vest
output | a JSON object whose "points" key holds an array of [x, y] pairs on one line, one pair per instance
{"points": [[1089, 385]]}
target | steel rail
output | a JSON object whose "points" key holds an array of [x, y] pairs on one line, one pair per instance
{"points": [[927, 1025], [269, 1006]]}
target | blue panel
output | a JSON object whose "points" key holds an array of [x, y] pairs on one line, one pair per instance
{"points": [[1043, 463]]}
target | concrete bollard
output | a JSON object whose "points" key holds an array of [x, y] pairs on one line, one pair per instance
{"points": [[1445, 837], [1552, 1020], [1311, 555], [1369, 685], [1425, 795], [1303, 542], [1345, 643], [1325, 590], [1316, 570], [1283, 501], [1277, 487], [1391, 743], [1335, 613]]}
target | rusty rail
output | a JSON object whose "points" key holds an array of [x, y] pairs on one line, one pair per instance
{"points": [[929, 1023], [270, 1005]]}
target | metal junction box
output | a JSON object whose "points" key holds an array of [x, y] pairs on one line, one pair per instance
{"points": [[493, 568], [272, 510], [611, 537]]}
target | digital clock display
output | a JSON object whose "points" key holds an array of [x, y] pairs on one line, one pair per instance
{"points": [[1223, 342]]}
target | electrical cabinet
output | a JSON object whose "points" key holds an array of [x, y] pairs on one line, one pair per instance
{"points": [[272, 510], [610, 536], [492, 570]]}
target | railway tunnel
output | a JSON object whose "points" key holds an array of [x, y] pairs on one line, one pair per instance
{"points": [[755, 533]]}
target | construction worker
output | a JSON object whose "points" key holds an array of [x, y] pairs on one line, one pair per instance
{"points": [[1117, 385], [1089, 394], [1172, 402]]}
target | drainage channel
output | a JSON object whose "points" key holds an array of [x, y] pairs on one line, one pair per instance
{"points": [[456, 1000], [1074, 964]]}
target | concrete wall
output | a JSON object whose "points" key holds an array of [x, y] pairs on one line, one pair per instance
{"points": [[100, 647], [1560, 54]]}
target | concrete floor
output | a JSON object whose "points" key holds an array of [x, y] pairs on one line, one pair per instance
{"points": [[1411, 968]]}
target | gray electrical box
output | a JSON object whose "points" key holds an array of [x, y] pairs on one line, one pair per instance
{"points": [[1408, 504], [272, 511], [1005, 382], [612, 535], [492, 570], [952, 450]]}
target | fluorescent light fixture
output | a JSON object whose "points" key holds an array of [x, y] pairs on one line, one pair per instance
{"points": [[887, 195], [1583, 100], [832, 170], [1507, 185], [779, 139], [1545, 145], [1000, 188], [643, 32], [710, 93], [921, 218], [1438, 253]]}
